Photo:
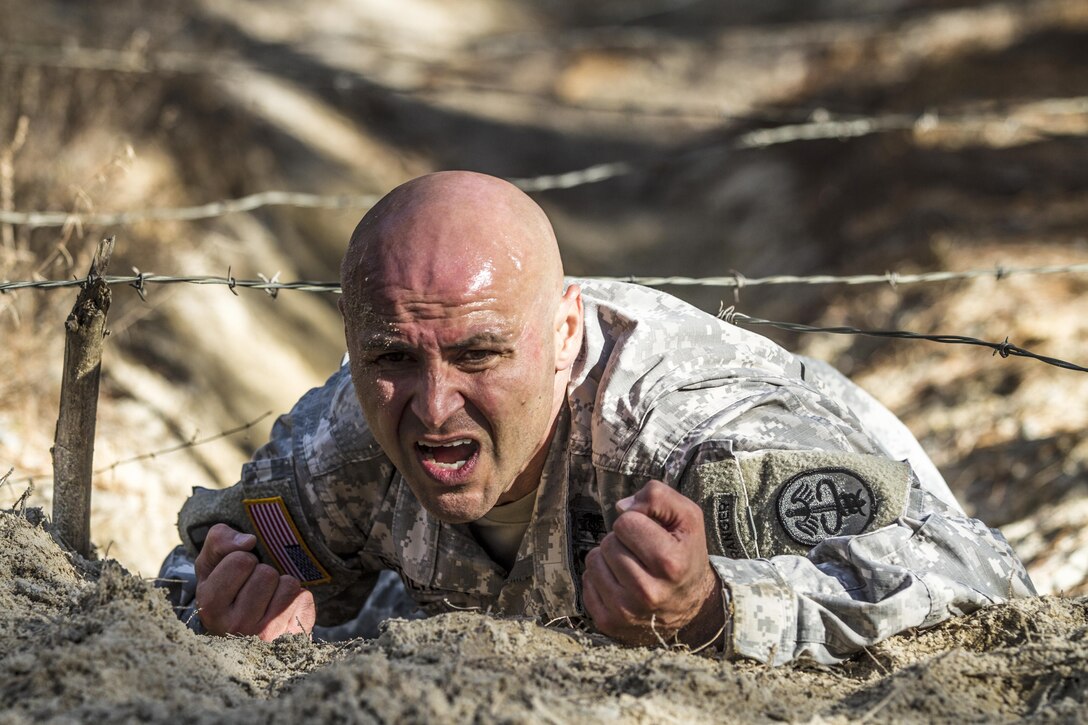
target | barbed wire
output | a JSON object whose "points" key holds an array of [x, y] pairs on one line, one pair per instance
{"points": [[140, 280], [191, 443], [1004, 349], [894, 279], [823, 126], [39, 219], [737, 281]]}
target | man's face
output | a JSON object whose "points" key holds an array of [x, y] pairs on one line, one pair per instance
{"points": [[458, 384]]}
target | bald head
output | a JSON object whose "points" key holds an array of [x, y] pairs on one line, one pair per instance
{"points": [[453, 229], [461, 338]]}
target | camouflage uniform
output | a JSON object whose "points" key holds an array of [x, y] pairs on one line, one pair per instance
{"points": [[827, 524]]}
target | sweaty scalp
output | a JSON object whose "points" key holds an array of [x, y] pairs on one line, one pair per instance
{"points": [[453, 229]]}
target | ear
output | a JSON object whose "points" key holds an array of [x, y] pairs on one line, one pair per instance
{"points": [[568, 328]]}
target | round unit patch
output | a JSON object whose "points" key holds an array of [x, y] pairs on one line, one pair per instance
{"points": [[818, 504]]}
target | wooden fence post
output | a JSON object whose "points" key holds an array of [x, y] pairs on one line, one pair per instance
{"points": [[73, 446]]}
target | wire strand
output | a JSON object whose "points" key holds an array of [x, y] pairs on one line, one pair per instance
{"points": [[823, 127], [191, 443], [272, 286], [735, 280], [1004, 349]]}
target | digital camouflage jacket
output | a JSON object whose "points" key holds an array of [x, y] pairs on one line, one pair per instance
{"points": [[827, 524]]}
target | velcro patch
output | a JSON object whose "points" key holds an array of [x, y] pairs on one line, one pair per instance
{"points": [[825, 502], [280, 538], [785, 502]]}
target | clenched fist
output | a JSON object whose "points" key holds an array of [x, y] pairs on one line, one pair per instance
{"points": [[652, 573], [238, 595]]}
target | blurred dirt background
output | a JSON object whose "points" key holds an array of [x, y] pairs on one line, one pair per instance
{"points": [[835, 137]]}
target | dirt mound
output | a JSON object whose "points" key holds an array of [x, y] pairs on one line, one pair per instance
{"points": [[137, 105], [87, 640]]}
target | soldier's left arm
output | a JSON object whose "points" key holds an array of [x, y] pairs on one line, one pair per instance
{"points": [[852, 591], [825, 545]]}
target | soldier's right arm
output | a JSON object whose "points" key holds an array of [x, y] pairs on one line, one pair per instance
{"points": [[304, 505], [239, 595]]}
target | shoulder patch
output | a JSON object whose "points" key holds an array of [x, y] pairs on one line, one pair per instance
{"points": [[279, 537], [825, 502], [786, 502]]}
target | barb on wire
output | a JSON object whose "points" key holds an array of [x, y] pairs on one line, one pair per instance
{"points": [[144, 279], [191, 443], [1004, 349], [736, 279], [891, 278]]}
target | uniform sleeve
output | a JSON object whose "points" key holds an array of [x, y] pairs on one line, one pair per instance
{"points": [[923, 563], [178, 577], [309, 495], [853, 591]]}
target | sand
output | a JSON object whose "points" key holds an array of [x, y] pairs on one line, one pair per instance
{"points": [[86, 641]]}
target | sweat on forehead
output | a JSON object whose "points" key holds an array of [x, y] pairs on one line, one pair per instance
{"points": [[452, 229]]}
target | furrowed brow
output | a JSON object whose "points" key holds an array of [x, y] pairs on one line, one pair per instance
{"points": [[484, 338], [383, 341]]}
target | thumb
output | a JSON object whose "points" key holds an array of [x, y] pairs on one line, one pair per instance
{"points": [[221, 541]]}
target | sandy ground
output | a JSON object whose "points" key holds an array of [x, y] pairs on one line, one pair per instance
{"points": [[188, 103], [84, 641]]}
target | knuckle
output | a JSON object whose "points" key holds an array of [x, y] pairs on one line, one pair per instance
{"points": [[645, 596], [218, 539], [219, 531], [623, 526], [209, 602], [265, 574], [610, 545], [694, 511], [673, 568], [653, 493], [241, 561]]}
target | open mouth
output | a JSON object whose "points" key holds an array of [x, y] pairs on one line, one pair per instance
{"points": [[449, 456]]}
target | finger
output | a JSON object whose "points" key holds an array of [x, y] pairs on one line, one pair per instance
{"points": [[642, 591], [654, 548], [251, 604], [592, 601], [216, 592], [290, 610], [614, 606], [221, 541], [663, 504]]}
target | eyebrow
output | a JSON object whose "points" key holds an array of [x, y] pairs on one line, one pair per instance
{"points": [[386, 341]]}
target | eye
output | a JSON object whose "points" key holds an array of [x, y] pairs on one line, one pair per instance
{"points": [[478, 357], [389, 359]]}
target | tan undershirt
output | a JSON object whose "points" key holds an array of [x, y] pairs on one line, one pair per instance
{"points": [[501, 529]]}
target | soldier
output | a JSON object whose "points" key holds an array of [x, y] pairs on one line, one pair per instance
{"points": [[507, 439]]}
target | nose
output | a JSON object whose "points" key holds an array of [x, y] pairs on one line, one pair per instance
{"points": [[437, 397]]}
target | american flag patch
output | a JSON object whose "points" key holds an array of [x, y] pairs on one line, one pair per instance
{"points": [[279, 535]]}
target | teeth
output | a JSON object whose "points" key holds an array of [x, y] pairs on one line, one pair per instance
{"points": [[448, 466], [451, 444]]}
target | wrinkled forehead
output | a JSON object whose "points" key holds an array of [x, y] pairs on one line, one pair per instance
{"points": [[455, 261], [476, 291], [452, 241]]}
